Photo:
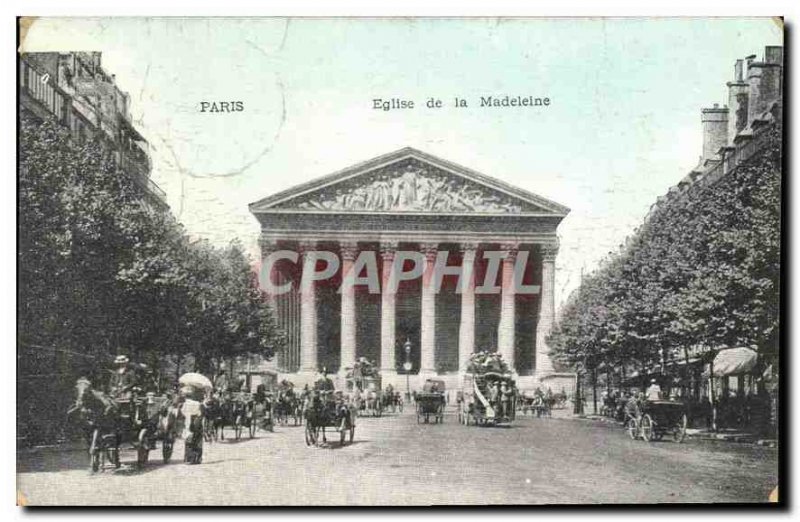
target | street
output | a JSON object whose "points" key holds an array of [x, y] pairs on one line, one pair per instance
{"points": [[396, 461]]}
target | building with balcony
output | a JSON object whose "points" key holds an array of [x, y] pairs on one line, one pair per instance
{"points": [[75, 89]]}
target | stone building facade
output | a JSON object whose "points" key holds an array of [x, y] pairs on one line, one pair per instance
{"points": [[410, 201]]}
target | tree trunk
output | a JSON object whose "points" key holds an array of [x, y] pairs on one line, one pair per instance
{"points": [[594, 391], [711, 395]]}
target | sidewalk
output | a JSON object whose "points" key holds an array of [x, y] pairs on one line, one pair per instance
{"points": [[726, 435]]}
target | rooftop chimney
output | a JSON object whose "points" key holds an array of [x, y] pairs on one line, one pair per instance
{"points": [[766, 82], [715, 130], [737, 101]]}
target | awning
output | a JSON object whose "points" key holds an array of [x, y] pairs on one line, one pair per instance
{"points": [[734, 361]]}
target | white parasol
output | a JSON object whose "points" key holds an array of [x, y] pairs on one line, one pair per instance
{"points": [[196, 380]]}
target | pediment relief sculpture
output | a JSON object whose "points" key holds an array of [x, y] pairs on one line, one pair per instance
{"points": [[410, 186]]}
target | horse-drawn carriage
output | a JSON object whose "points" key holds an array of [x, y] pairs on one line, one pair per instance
{"points": [[288, 405], [237, 410], [536, 402], [487, 399], [140, 421], [657, 419], [369, 398], [328, 409], [430, 402]]}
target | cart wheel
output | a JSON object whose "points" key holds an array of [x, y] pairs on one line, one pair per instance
{"points": [[113, 454], [633, 428], [419, 418], [142, 449], [94, 451], [352, 432], [167, 446], [647, 427], [679, 432], [252, 428]]}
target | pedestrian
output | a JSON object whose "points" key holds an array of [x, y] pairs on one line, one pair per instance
{"points": [[505, 400], [654, 391], [494, 396]]}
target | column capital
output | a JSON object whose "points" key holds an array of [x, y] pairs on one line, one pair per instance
{"points": [[511, 250], [549, 252], [306, 246], [429, 249], [469, 247], [348, 250], [388, 249]]}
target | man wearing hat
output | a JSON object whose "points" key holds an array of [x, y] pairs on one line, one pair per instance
{"points": [[123, 379], [221, 380], [324, 383]]}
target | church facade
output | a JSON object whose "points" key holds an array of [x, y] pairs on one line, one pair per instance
{"points": [[410, 201]]}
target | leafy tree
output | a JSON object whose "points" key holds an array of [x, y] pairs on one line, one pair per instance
{"points": [[704, 270]]}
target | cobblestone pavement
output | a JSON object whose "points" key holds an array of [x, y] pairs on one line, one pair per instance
{"points": [[396, 461]]}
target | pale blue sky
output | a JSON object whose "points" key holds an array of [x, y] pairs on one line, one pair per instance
{"points": [[623, 126]]}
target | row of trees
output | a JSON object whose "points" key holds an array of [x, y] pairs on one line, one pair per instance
{"points": [[701, 274], [101, 271]]}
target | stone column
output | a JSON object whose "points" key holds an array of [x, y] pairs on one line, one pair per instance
{"points": [[348, 251], [428, 312], [275, 302], [388, 298], [308, 313], [506, 326], [466, 328], [544, 365]]}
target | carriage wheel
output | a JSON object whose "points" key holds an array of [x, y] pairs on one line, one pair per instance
{"points": [[342, 431], [647, 427], [95, 451], [633, 428], [167, 445], [352, 432], [237, 427], [679, 432], [252, 428], [113, 456], [142, 449]]}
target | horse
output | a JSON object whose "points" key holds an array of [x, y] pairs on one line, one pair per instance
{"points": [[324, 409], [372, 403], [287, 405], [99, 416], [213, 419], [389, 400], [108, 421], [232, 413]]}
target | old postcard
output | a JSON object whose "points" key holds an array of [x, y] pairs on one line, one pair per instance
{"points": [[399, 261]]}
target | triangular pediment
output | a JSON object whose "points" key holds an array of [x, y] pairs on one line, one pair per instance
{"points": [[408, 181]]}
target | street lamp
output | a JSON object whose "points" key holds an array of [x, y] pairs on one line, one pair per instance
{"points": [[407, 366]]}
